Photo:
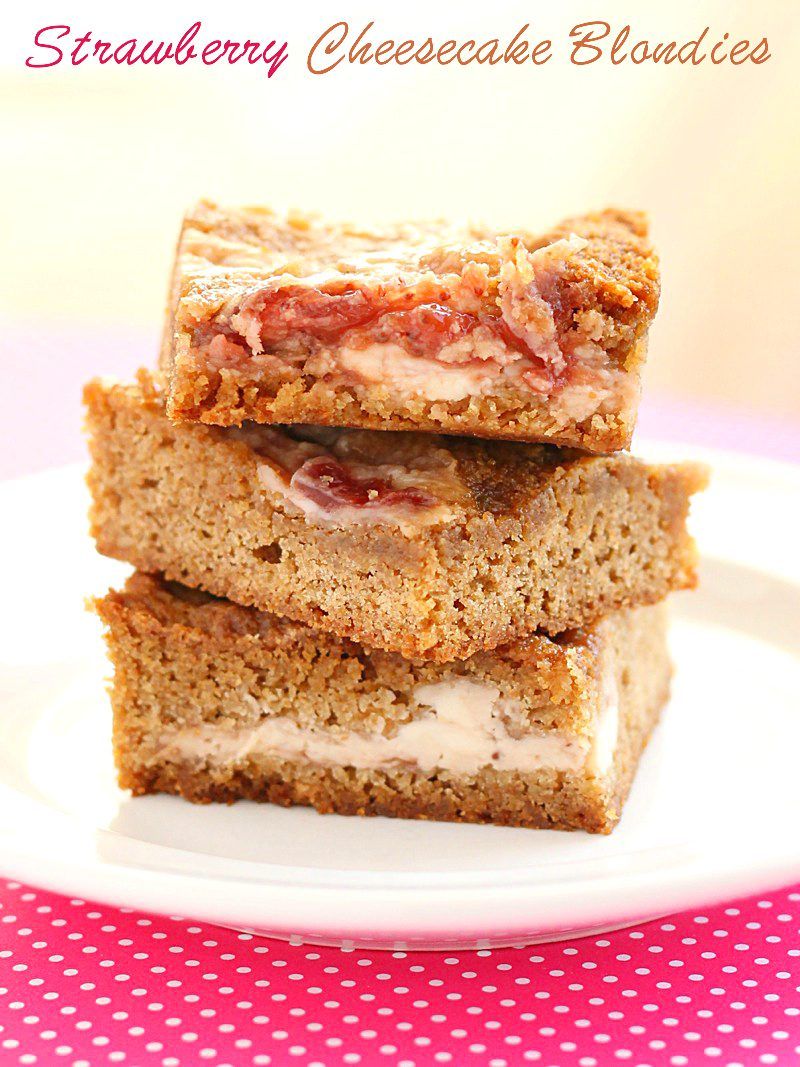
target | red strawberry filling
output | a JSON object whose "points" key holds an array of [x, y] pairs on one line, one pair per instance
{"points": [[332, 486], [356, 319]]}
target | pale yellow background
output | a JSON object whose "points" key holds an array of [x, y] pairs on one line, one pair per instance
{"points": [[98, 164]]}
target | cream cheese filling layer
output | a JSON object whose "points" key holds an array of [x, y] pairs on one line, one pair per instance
{"points": [[462, 729], [386, 363], [409, 519], [478, 367], [474, 367]]}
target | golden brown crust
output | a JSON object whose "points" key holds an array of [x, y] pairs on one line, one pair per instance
{"points": [[603, 282], [535, 802], [253, 243], [541, 540], [182, 660], [547, 673]]}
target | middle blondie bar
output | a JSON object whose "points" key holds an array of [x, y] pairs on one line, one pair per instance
{"points": [[433, 547]]}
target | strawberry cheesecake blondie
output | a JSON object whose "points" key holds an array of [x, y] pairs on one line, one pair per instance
{"points": [[214, 701], [533, 337], [430, 546]]}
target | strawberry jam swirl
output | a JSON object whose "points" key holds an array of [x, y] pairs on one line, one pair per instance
{"points": [[343, 477], [418, 338]]}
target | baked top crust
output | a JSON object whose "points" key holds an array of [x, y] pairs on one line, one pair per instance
{"points": [[408, 313], [222, 252], [157, 604]]}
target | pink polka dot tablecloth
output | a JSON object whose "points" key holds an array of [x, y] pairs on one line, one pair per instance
{"points": [[85, 984]]}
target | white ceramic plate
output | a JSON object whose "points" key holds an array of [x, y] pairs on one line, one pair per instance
{"points": [[714, 812]]}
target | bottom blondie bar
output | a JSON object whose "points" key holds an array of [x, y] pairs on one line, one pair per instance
{"points": [[214, 701]]}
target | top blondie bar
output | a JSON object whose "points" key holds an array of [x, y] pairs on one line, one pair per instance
{"points": [[531, 337]]}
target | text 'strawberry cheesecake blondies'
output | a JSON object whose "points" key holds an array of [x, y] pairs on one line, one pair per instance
{"points": [[533, 337], [433, 547], [218, 702]]}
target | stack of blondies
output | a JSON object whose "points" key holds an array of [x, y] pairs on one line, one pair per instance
{"points": [[391, 558]]}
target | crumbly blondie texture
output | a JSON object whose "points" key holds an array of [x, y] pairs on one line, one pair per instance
{"points": [[213, 701], [432, 547], [533, 337]]}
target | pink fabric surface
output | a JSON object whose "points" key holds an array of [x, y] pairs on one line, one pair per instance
{"points": [[85, 984]]}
